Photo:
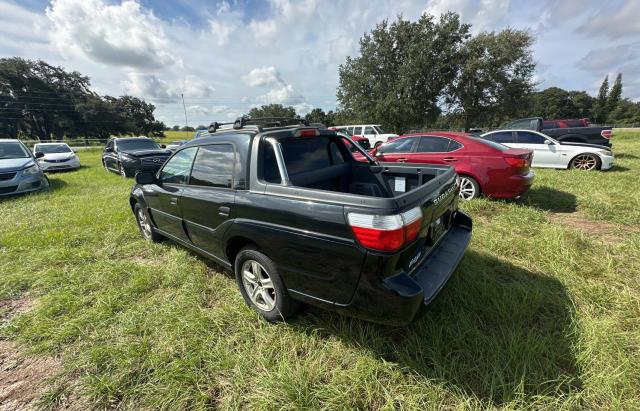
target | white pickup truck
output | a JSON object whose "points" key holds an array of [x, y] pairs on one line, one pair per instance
{"points": [[373, 132]]}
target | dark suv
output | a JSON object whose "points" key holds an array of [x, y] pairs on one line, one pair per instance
{"points": [[298, 219], [127, 155]]}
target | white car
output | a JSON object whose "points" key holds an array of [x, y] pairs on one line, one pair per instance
{"points": [[551, 153], [56, 156], [373, 132], [174, 145]]}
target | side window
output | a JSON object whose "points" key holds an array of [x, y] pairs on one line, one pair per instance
{"points": [[336, 154], [503, 137], [529, 138], [268, 165], [526, 123], [401, 145], [454, 145], [109, 144], [176, 171], [369, 130], [430, 144], [357, 131], [213, 166]]}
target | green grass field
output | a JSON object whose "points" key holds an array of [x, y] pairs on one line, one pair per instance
{"points": [[543, 313]]}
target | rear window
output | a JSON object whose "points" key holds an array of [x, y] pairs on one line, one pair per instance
{"points": [[490, 143], [307, 154]]}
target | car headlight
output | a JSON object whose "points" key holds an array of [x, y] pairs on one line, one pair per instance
{"points": [[29, 171], [126, 157], [606, 152]]}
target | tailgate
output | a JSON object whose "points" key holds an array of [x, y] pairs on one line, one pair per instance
{"points": [[435, 191]]}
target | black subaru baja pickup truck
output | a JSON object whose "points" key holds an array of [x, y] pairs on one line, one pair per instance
{"points": [[289, 210]]}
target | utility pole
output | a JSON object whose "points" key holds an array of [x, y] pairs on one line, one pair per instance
{"points": [[186, 121]]}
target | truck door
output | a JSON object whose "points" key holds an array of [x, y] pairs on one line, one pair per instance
{"points": [[208, 198]]}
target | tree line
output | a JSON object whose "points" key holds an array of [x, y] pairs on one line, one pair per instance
{"points": [[432, 73], [47, 102]]}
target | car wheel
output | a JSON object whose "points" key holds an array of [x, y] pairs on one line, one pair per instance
{"points": [[377, 144], [145, 226], [585, 162], [261, 286], [469, 187]]}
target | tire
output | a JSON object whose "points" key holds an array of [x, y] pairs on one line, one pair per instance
{"points": [[123, 171], [377, 144], [105, 166], [585, 161], [145, 226], [469, 187], [261, 286]]}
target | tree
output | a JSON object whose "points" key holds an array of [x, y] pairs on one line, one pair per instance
{"points": [[201, 127], [317, 115], [626, 113], [582, 104], [615, 94], [402, 70], [175, 128], [494, 78], [187, 128], [272, 110], [600, 106]]}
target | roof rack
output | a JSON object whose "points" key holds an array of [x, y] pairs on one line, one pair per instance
{"points": [[259, 122]]}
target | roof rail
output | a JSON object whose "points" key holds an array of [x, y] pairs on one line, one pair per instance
{"points": [[259, 122]]}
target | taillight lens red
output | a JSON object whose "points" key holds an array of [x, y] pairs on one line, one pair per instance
{"points": [[518, 162], [388, 232], [606, 134]]}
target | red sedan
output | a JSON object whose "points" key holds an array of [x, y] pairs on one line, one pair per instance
{"points": [[484, 167]]}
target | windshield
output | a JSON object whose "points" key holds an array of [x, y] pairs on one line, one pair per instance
{"points": [[380, 130], [13, 150], [137, 144], [52, 148]]}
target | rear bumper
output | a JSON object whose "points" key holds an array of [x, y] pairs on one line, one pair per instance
{"points": [[514, 186], [396, 300]]}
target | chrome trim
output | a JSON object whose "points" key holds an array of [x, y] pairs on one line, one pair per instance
{"points": [[277, 149]]}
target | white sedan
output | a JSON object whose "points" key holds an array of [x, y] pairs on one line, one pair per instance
{"points": [[57, 156], [551, 153]]}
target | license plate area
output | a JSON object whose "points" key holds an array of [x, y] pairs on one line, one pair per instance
{"points": [[437, 228]]}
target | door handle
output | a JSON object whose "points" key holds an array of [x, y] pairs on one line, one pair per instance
{"points": [[224, 211], [450, 159], [402, 159], [174, 201]]}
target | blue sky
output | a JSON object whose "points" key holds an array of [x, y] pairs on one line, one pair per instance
{"points": [[227, 56]]}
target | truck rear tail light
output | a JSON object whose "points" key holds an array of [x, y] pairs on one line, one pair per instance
{"points": [[606, 134], [386, 232]]}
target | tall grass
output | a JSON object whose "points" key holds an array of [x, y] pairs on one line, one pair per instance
{"points": [[544, 311]]}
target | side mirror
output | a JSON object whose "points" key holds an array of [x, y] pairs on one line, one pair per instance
{"points": [[38, 154], [378, 154], [145, 177], [108, 150], [548, 142], [163, 146]]}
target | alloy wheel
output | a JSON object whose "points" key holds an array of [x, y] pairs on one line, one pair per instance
{"points": [[467, 188], [258, 285], [145, 226], [584, 162]]}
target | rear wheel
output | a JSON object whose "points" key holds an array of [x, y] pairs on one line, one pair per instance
{"points": [[585, 162], [261, 286], [377, 144], [469, 187]]}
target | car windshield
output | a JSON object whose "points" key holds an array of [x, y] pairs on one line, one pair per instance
{"points": [[380, 130], [52, 148], [137, 144], [13, 150], [490, 143]]}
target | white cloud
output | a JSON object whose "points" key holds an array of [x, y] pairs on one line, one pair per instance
{"points": [[152, 87], [198, 109], [285, 95], [263, 76], [119, 35], [481, 14], [221, 31], [623, 22], [263, 31], [219, 109]]}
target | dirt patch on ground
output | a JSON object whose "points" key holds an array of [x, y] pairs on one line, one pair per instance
{"points": [[23, 379], [605, 231]]}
